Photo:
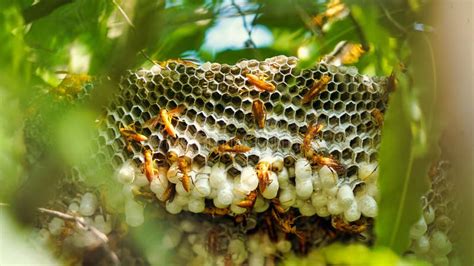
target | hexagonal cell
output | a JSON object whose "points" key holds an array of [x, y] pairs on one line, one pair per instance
{"points": [[355, 142], [209, 107], [233, 171], [339, 137], [328, 136], [221, 124], [210, 121], [336, 154], [278, 109], [339, 106], [350, 107], [253, 160], [289, 161], [361, 157], [231, 129]]}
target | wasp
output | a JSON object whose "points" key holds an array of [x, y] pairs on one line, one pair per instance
{"points": [[339, 224], [313, 131], [183, 166], [130, 135], [329, 162], [377, 116], [345, 53], [185, 62], [263, 174], [214, 211], [287, 224], [149, 165], [259, 112], [261, 84], [335, 9], [169, 193], [249, 201], [166, 118], [317, 87], [277, 205], [237, 148]]}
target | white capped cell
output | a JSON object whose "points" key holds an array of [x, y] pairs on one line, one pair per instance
{"points": [[316, 181], [307, 209], [173, 208], [181, 199], [238, 250], [441, 261], [202, 187], [199, 249], [283, 245], [55, 226], [291, 172], [335, 207], [367, 205], [322, 211], [272, 189], [421, 245], [429, 215], [287, 197], [372, 190], [328, 177], [368, 172], [248, 178], [440, 243], [345, 196], [171, 238], [181, 191], [159, 185], [303, 170], [73, 207], [276, 163], [218, 176], [173, 173], [188, 226], [102, 225], [196, 205], [304, 188], [352, 213], [418, 229], [319, 199], [134, 213], [140, 180], [283, 178], [331, 192], [261, 204], [88, 205], [126, 173]]}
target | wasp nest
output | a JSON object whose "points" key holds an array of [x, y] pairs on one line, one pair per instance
{"points": [[237, 139], [431, 235]]}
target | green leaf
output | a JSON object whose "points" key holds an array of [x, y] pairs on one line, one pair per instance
{"points": [[403, 169], [353, 254]]}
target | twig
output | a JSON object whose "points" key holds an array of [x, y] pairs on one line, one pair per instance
{"points": [[246, 26], [81, 223], [391, 19], [123, 14]]}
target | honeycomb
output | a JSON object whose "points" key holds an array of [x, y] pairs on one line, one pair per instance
{"points": [[432, 236], [216, 102]]}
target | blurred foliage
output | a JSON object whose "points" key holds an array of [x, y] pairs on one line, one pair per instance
{"points": [[103, 38], [353, 254]]}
